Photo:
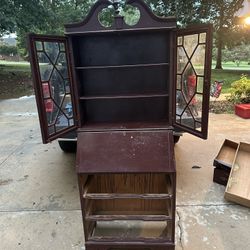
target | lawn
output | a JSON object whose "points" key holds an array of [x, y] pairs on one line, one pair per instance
{"points": [[229, 74], [15, 79], [10, 66], [18, 74]]}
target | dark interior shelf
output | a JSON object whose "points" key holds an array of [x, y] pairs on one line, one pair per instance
{"points": [[122, 66], [149, 95], [104, 126]]}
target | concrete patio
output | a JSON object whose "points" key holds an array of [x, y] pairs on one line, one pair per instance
{"points": [[39, 201]]}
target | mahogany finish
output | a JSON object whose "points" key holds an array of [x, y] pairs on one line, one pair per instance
{"points": [[125, 152], [130, 87]]}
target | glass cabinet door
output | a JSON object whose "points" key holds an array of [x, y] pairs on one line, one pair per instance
{"points": [[192, 80], [53, 86]]}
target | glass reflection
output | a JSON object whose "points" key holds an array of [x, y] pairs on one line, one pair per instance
{"points": [[55, 86], [61, 66], [178, 82], [198, 60], [200, 83], [180, 103], [190, 80], [45, 66], [190, 43], [179, 40], [189, 83], [181, 59], [52, 50], [39, 46], [62, 46], [188, 103], [203, 37], [189, 122], [51, 130]]}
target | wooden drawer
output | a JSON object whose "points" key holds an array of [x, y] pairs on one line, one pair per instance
{"points": [[221, 176], [238, 186], [226, 155]]}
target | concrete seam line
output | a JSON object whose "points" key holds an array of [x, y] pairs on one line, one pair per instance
{"points": [[38, 211], [180, 229]]}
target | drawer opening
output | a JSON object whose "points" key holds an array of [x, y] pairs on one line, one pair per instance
{"points": [[126, 230], [131, 209], [148, 185]]}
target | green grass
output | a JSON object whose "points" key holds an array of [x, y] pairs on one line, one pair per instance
{"points": [[8, 66], [15, 79], [228, 76]]}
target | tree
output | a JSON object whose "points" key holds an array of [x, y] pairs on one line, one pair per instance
{"points": [[237, 54], [7, 50], [222, 15], [7, 20], [48, 16]]}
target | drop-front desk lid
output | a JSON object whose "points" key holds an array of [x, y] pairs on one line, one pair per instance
{"points": [[125, 152]]}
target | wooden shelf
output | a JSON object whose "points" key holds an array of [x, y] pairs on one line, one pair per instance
{"points": [[107, 196], [126, 239], [130, 96], [122, 66], [127, 126], [156, 217]]}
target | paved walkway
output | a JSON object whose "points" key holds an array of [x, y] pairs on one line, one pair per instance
{"points": [[39, 202]]}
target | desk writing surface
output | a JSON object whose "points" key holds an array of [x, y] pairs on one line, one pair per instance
{"points": [[125, 152]]}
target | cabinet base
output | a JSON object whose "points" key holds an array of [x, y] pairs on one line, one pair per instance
{"points": [[129, 246]]}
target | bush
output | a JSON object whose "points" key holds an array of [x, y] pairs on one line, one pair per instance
{"points": [[240, 91], [7, 50]]}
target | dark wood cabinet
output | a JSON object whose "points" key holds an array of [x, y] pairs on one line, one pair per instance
{"points": [[125, 89], [127, 193]]}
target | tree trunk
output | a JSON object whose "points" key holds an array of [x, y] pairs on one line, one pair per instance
{"points": [[219, 39], [219, 53]]}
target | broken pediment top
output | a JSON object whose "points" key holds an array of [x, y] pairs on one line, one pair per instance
{"points": [[146, 18]]}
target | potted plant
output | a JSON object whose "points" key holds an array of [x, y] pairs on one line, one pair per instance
{"points": [[240, 96]]}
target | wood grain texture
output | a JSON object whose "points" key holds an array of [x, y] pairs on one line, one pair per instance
{"points": [[226, 155], [238, 187]]}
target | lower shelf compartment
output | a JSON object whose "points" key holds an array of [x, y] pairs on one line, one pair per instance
{"points": [[126, 215], [126, 230]]}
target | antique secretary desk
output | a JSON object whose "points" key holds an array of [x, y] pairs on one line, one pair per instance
{"points": [[125, 89]]}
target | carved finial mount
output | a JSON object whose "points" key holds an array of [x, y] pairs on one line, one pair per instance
{"points": [[116, 5], [147, 19]]}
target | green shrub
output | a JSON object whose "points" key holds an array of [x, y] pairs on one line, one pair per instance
{"points": [[6, 50], [240, 91]]}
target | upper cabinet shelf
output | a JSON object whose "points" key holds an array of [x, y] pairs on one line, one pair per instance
{"points": [[122, 49], [123, 66], [149, 95]]}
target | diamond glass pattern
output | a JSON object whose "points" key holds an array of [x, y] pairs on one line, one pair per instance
{"points": [[191, 53], [53, 67]]}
